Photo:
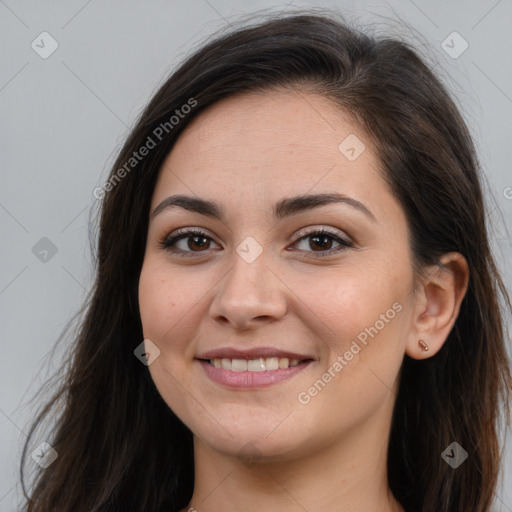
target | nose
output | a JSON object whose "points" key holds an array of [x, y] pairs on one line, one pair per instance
{"points": [[249, 295]]}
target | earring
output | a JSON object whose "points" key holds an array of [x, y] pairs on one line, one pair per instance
{"points": [[423, 345]]}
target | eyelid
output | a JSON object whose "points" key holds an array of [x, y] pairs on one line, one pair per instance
{"points": [[187, 230], [310, 230], [302, 233], [168, 241], [345, 241]]}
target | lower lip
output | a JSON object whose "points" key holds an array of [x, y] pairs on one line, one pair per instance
{"points": [[247, 379]]}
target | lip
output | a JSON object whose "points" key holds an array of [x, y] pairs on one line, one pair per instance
{"points": [[252, 353], [248, 380]]}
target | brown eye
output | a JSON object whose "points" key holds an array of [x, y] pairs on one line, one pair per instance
{"points": [[321, 242], [197, 243], [187, 242]]}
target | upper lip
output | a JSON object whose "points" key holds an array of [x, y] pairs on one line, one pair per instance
{"points": [[252, 353]]}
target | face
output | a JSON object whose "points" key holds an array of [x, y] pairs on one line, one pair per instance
{"points": [[281, 322]]}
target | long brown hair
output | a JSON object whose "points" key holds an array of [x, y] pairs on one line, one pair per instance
{"points": [[120, 447]]}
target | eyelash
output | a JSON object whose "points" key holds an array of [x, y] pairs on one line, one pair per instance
{"points": [[168, 242]]}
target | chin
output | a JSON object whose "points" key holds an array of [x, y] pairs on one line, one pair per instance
{"points": [[253, 447], [265, 437]]}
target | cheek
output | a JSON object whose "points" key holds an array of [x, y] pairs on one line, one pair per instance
{"points": [[163, 310], [347, 300], [155, 302], [364, 325], [165, 295], [170, 302], [361, 313], [165, 300]]}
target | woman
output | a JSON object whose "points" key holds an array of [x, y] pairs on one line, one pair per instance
{"points": [[296, 306]]}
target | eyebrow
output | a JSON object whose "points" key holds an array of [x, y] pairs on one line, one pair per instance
{"points": [[283, 208]]}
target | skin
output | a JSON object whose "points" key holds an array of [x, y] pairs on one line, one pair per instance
{"points": [[246, 153]]}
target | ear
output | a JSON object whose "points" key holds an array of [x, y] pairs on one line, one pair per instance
{"points": [[438, 300]]}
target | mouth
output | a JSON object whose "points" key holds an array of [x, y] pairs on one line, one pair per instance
{"points": [[252, 368], [261, 364]]}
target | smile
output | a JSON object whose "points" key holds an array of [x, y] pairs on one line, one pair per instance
{"points": [[261, 364], [252, 373]]}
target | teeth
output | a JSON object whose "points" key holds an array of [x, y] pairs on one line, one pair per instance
{"points": [[239, 365], [272, 363], [254, 365]]}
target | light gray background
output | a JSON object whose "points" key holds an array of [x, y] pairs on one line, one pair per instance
{"points": [[64, 118]]}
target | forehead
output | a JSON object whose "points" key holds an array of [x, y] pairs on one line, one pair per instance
{"points": [[273, 121], [268, 145]]}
